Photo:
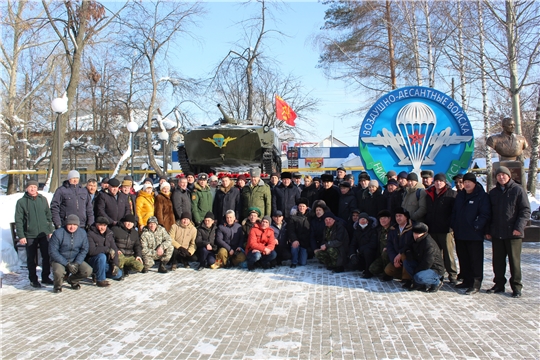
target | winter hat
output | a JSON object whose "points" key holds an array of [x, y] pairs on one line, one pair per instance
{"points": [[345, 184], [152, 219], [412, 176], [255, 172], [420, 228], [213, 178], [373, 183], [129, 218], [402, 211], [348, 177], [328, 214], [73, 174], [384, 213], [392, 182], [105, 180], [241, 177], [209, 215], [457, 177], [114, 182], [148, 186], [102, 220], [503, 170], [327, 177], [188, 173], [469, 176], [341, 168], [302, 200], [364, 176], [185, 215], [267, 218], [32, 182], [163, 178], [148, 180], [286, 175], [402, 175], [316, 178], [363, 215], [278, 213], [440, 177], [202, 176], [73, 220], [391, 173], [127, 182], [297, 175], [426, 173], [164, 185], [254, 209]]}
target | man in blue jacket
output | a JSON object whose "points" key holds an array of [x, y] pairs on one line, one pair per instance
{"points": [[510, 210], [67, 249]]}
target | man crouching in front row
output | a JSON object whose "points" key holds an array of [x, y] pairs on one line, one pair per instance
{"points": [[67, 248]]}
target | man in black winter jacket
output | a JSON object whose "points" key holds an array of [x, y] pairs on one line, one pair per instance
{"points": [[112, 204], [440, 200], [423, 260], [510, 210], [129, 246]]}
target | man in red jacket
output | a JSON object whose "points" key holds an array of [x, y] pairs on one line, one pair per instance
{"points": [[260, 244]]}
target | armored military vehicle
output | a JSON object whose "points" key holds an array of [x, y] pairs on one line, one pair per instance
{"points": [[230, 146]]}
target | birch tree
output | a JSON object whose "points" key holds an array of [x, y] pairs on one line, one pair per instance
{"points": [[154, 26], [76, 24]]}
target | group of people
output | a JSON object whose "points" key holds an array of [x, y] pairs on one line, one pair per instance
{"points": [[404, 230]]}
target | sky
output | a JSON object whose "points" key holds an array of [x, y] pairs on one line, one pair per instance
{"points": [[295, 53]]}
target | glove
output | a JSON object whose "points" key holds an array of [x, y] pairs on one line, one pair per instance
{"points": [[115, 270], [112, 253], [183, 252], [72, 268]]}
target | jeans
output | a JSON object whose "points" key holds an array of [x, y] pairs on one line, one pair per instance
{"points": [[253, 257], [206, 257], [299, 255], [424, 277], [101, 268]]}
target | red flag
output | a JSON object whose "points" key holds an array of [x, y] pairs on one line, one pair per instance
{"points": [[284, 111]]}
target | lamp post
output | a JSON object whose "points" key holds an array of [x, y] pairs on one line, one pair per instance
{"points": [[132, 128], [164, 137], [59, 106]]}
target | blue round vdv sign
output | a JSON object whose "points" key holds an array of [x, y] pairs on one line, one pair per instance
{"points": [[413, 129]]}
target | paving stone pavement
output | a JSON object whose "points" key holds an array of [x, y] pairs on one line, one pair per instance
{"points": [[283, 313]]}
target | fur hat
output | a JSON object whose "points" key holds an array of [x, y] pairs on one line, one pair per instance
{"points": [[426, 173], [373, 183], [286, 175], [202, 176], [255, 172], [384, 213], [302, 200], [210, 215], [164, 185], [420, 228], [402, 211], [327, 177]]}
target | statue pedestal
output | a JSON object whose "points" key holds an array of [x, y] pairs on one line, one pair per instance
{"points": [[516, 169]]}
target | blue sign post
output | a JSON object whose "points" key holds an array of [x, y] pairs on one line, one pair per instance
{"points": [[416, 128]]}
